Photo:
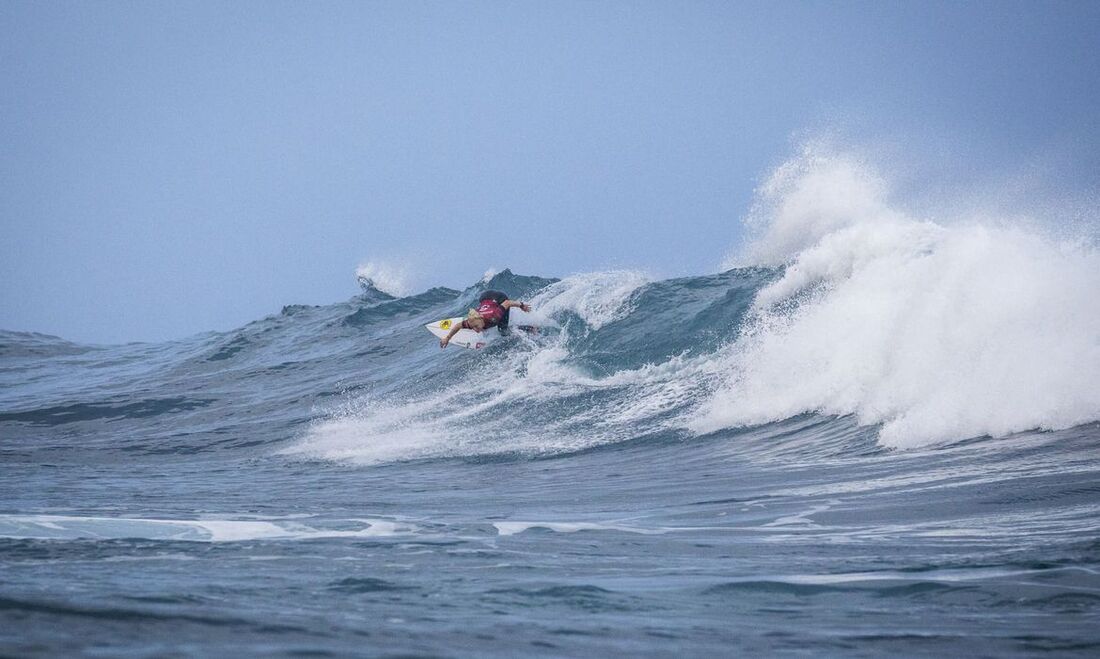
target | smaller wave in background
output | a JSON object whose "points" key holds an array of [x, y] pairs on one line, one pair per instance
{"points": [[385, 276]]}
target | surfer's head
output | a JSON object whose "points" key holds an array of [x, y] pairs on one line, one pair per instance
{"points": [[475, 322]]}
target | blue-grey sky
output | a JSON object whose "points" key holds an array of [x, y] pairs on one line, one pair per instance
{"points": [[169, 168]]}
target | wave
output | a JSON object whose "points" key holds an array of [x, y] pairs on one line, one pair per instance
{"points": [[845, 322], [16, 345], [933, 331], [384, 276], [843, 305]]}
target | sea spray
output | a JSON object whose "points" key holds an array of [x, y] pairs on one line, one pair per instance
{"points": [[935, 331], [386, 276]]}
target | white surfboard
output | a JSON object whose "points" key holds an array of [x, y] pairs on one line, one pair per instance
{"points": [[467, 338]]}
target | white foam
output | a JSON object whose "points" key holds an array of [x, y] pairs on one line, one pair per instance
{"points": [[61, 527], [937, 332], [449, 422], [597, 297], [377, 432], [806, 199]]}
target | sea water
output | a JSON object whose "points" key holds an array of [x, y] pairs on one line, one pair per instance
{"points": [[870, 433]]}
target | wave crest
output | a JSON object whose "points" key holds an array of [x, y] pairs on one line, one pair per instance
{"points": [[936, 332], [389, 278]]}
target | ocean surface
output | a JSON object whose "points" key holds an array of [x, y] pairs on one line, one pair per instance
{"points": [[869, 434]]}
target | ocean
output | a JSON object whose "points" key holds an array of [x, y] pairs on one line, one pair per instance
{"points": [[868, 434]]}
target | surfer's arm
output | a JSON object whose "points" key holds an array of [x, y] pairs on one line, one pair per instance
{"points": [[454, 330], [508, 304]]}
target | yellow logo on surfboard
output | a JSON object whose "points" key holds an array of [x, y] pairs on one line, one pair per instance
{"points": [[445, 324]]}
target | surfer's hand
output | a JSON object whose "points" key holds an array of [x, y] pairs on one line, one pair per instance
{"points": [[524, 306], [443, 342]]}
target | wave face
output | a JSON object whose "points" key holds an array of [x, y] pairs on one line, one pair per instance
{"points": [[866, 411]]}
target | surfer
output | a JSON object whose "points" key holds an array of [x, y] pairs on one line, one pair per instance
{"points": [[492, 311]]}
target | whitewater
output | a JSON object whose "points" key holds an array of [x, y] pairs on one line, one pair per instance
{"points": [[872, 431]]}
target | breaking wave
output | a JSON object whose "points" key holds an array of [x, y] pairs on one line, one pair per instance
{"points": [[847, 323]]}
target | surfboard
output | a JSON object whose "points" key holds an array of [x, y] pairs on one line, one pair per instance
{"points": [[467, 338]]}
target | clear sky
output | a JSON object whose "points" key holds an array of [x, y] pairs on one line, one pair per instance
{"points": [[173, 167]]}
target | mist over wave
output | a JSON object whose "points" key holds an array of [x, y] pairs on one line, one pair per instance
{"points": [[936, 331]]}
